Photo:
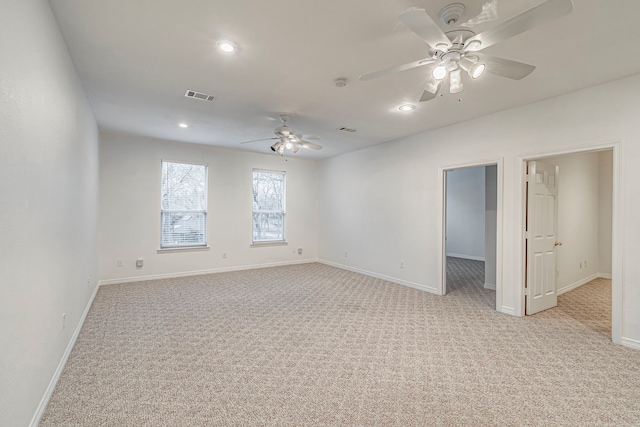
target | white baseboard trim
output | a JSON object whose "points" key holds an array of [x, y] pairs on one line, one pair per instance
{"points": [[383, 277], [472, 257], [628, 342], [508, 310], [604, 276], [491, 286], [577, 284], [42, 406], [199, 272]]}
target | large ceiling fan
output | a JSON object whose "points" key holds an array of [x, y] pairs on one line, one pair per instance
{"points": [[451, 52], [287, 139]]}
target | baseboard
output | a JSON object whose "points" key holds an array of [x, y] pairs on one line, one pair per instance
{"points": [[491, 286], [604, 276], [56, 375], [508, 310], [628, 342], [577, 284], [200, 272], [475, 258], [383, 277]]}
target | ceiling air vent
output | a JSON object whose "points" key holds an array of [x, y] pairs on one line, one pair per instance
{"points": [[198, 95], [344, 129]]}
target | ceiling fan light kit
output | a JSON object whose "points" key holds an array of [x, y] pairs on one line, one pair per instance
{"points": [[448, 54], [287, 139], [457, 50]]}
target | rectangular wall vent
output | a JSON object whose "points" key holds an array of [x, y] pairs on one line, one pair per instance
{"points": [[198, 95], [344, 129]]}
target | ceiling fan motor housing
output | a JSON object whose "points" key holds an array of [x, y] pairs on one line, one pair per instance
{"points": [[451, 14]]}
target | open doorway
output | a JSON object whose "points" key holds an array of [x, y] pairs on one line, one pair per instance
{"points": [[470, 228], [585, 195]]}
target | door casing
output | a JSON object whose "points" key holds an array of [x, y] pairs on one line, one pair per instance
{"points": [[617, 231], [442, 174]]}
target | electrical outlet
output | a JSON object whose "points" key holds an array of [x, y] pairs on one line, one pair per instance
{"points": [[299, 251], [88, 280], [585, 263], [62, 323], [224, 255], [346, 254], [119, 263], [580, 266], [401, 264]]}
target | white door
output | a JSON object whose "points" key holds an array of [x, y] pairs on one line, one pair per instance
{"points": [[541, 236]]}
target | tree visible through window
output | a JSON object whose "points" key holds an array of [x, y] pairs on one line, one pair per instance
{"points": [[268, 205], [183, 205]]}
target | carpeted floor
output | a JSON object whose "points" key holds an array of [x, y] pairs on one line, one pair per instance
{"points": [[312, 345], [463, 272]]}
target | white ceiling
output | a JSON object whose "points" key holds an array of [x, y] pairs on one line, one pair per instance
{"points": [[136, 59]]}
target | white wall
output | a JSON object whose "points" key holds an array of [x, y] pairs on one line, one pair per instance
{"points": [[398, 214], [605, 186], [465, 213], [130, 209], [579, 206], [490, 225], [48, 220]]}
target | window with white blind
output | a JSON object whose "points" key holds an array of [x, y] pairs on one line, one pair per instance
{"points": [[183, 205], [268, 206]]}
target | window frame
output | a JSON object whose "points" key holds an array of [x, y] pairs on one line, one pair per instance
{"points": [[283, 240], [205, 231]]}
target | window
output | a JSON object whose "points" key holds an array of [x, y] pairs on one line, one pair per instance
{"points": [[183, 205], [268, 206]]}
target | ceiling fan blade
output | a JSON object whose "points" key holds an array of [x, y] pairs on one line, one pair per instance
{"points": [[263, 139], [308, 144], [547, 11], [421, 23], [431, 90], [391, 70], [309, 137], [506, 67]]}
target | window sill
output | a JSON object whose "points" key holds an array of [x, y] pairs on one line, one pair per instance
{"points": [[270, 243], [183, 249]]}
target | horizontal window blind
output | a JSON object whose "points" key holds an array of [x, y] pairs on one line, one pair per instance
{"points": [[183, 205], [269, 189]]}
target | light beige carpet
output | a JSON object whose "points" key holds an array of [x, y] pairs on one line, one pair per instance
{"points": [[312, 345]]}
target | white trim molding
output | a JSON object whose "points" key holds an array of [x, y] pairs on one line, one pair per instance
{"points": [[42, 406], [617, 218], [199, 272], [577, 284], [628, 342], [471, 257], [441, 223], [430, 289]]}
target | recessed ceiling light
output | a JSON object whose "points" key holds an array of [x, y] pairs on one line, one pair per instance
{"points": [[183, 125], [407, 107], [226, 46]]}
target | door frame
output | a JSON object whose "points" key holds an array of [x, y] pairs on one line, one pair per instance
{"points": [[442, 183], [617, 227]]}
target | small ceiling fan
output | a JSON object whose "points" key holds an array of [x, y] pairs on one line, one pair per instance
{"points": [[287, 139], [460, 49]]}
